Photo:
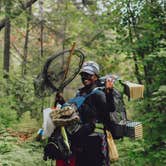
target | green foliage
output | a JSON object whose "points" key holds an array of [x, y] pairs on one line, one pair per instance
{"points": [[20, 98], [8, 116], [27, 123], [154, 126], [23, 92], [131, 152], [19, 154], [5, 147], [159, 98]]}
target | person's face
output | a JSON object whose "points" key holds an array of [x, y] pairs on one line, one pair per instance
{"points": [[87, 79]]}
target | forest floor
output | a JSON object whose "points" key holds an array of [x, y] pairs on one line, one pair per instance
{"points": [[18, 147]]}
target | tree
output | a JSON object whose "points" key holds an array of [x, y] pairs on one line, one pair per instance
{"points": [[140, 27], [17, 12], [41, 12], [24, 66], [7, 38]]}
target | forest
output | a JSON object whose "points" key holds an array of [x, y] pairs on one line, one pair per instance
{"points": [[125, 37]]}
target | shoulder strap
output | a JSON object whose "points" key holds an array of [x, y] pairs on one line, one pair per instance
{"points": [[95, 90], [79, 100]]}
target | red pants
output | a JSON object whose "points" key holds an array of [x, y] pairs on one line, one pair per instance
{"points": [[62, 162]]}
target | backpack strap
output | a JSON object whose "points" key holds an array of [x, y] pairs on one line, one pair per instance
{"points": [[79, 99]]}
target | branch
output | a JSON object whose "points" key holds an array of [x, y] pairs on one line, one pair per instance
{"points": [[94, 37], [2, 23], [17, 12], [17, 50]]}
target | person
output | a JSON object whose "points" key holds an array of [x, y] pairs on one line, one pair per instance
{"points": [[89, 141]]}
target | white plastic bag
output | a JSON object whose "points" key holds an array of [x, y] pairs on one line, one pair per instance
{"points": [[48, 125]]}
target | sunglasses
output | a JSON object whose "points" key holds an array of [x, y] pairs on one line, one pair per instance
{"points": [[86, 76]]}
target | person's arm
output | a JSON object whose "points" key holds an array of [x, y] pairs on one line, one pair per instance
{"points": [[105, 105], [109, 94], [59, 99], [110, 100], [102, 108]]}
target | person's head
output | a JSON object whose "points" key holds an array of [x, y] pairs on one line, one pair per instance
{"points": [[89, 73]]}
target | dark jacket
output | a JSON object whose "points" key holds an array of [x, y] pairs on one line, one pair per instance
{"points": [[89, 148], [96, 108]]}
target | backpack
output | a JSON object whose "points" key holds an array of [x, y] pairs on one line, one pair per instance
{"points": [[57, 148], [118, 117]]}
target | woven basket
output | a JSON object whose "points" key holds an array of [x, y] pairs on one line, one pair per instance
{"points": [[134, 130]]}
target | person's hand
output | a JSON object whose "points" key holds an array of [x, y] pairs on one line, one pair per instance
{"points": [[109, 83], [59, 99]]}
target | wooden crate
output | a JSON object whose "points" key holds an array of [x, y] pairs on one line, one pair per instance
{"points": [[134, 130]]}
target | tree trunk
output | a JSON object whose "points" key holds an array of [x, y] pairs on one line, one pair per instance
{"points": [[41, 26], [6, 64], [130, 25], [26, 43]]}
